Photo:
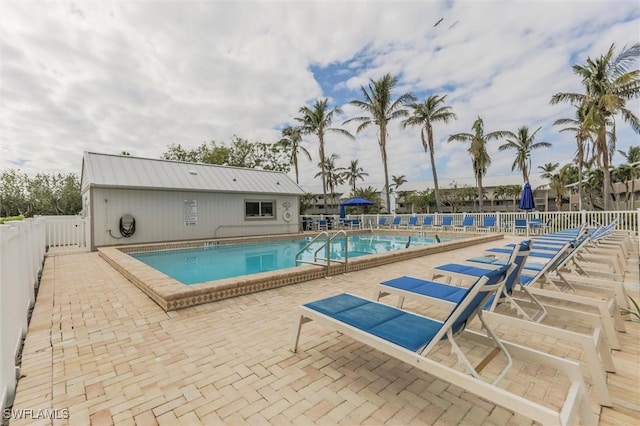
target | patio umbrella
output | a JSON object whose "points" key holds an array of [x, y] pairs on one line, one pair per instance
{"points": [[357, 202], [526, 198], [353, 202], [526, 201]]}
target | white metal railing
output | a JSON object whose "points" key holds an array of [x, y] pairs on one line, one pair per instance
{"points": [[67, 231], [22, 249], [628, 220]]}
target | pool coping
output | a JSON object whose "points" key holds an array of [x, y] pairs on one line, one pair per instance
{"points": [[171, 294]]}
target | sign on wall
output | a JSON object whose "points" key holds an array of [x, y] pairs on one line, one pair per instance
{"points": [[190, 212]]}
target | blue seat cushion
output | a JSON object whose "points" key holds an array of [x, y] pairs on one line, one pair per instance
{"points": [[404, 329], [464, 269], [433, 289], [488, 260]]}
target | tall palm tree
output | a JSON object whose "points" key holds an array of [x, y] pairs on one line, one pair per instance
{"points": [[523, 143], [425, 115], [291, 142], [478, 151], [353, 173], [608, 86], [381, 109], [317, 121], [584, 134]]}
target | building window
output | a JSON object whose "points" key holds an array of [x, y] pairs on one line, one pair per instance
{"points": [[259, 209]]}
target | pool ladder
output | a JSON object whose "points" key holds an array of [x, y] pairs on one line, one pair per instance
{"points": [[326, 260]]}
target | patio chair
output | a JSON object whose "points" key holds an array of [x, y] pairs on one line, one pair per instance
{"points": [[396, 221], [467, 223], [356, 224], [537, 226], [596, 351], [427, 222], [520, 226], [413, 220], [322, 225], [382, 222], [554, 298], [447, 222], [488, 224], [411, 338]]}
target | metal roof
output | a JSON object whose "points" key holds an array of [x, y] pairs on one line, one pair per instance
{"points": [[123, 171]]}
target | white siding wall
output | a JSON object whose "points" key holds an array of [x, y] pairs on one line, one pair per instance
{"points": [[159, 215]]}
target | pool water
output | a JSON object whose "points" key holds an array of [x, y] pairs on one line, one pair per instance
{"points": [[215, 262]]}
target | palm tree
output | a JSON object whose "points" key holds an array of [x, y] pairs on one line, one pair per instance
{"points": [[353, 173], [629, 172], [478, 150], [333, 175], [317, 121], [424, 115], [381, 110], [548, 169], [522, 142], [608, 86], [558, 185], [584, 135], [397, 181], [291, 143]]}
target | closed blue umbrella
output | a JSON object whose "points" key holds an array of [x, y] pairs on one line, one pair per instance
{"points": [[526, 198], [343, 214]]}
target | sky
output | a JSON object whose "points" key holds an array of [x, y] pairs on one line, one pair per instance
{"points": [[137, 76]]}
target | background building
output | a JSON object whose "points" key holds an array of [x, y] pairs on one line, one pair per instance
{"points": [[141, 200]]}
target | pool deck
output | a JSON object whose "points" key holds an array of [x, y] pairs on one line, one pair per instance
{"points": [[100, 348]]}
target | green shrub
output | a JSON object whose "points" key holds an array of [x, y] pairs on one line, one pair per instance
{"points": [[6, 219]]}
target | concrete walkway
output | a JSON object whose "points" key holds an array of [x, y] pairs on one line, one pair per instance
{"points": [[101, 352]]}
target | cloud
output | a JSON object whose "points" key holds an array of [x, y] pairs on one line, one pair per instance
{"points": [[138, 76]]}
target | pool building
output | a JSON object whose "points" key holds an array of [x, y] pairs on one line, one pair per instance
{"points": [[132, 200]]}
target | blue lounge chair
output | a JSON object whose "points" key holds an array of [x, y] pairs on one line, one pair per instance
{"points": [[488, 224], [520, 226], [447, 222], [427, 222], [413, 221], [595, 348], [323, 225], [396, 221], [410, 338], [382, 222], [547, 281], [467, 223]]}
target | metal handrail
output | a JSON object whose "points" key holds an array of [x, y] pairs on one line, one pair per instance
{"points": [[326, 261]]}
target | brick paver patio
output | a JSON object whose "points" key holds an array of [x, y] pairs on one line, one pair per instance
{"points": [[101, 351]]}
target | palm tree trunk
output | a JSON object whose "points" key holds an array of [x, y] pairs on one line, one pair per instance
{"points": [[479, 186], [322, 168], [580, 186], [606, 184], [435, 180], [383, 152]]}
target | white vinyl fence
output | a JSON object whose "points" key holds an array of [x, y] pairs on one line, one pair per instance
{"points": [[67, 231], [22, 249]]}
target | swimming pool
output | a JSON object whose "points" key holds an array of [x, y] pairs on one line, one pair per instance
{"points": [[171, 294], [215, 262]]}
